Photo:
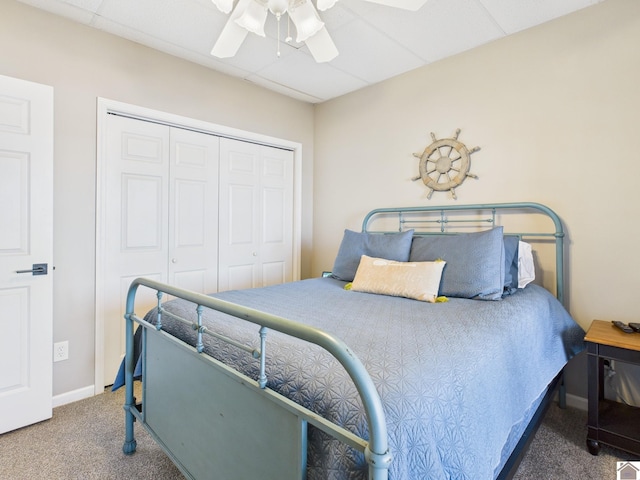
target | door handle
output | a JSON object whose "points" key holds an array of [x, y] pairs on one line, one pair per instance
{"points": [[38, 269]]}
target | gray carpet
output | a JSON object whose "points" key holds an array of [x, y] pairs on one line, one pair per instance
{"points": [[84, 439], [559, 451]]}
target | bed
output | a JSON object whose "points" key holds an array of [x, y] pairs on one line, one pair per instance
{"points": [[418, 356]]}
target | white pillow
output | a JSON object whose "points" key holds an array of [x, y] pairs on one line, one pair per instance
{"points": [[526, 269], [417, 280]]}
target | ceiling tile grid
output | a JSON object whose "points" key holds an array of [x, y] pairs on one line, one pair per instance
{"points": [[514, 16], [375, 42]]}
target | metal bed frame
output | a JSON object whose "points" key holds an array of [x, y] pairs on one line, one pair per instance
{"points": [[240, 414]]}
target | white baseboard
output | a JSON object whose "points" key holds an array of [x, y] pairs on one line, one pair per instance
{"points": [[575, 401], [73, 396]]}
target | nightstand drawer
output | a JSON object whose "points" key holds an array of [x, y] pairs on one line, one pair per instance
{"points": [[614, 353], [610, 422]]}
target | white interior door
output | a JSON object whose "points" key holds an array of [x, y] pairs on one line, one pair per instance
{"points": [[26, 238], [256, 215]]}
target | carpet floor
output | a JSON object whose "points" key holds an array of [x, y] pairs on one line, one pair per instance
{"points": [[84, 439]]}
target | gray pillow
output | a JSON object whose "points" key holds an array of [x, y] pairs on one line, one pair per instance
{"points": [[511, 243], [475, 262], [390, 246]]}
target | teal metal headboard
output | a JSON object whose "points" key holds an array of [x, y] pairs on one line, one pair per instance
{"points": [[443, 218]]}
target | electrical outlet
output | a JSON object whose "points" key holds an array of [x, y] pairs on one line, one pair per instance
{"points": [[60, 351]]}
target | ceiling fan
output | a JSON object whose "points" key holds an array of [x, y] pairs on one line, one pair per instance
{"points": [[251, 15]]}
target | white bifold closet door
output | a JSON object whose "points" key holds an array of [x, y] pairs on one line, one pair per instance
{"points": [[161, 218], [191, 209], [256, 215]]}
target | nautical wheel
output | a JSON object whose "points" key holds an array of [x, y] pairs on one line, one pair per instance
{"points": [[445, 164]]}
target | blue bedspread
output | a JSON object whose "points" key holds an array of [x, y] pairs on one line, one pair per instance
{"points": [[456, 378]]}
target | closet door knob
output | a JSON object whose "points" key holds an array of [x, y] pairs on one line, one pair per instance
{"points": [[174, 260], [255, 254]]}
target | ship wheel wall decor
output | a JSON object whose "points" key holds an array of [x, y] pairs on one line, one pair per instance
{"points": [[445, 164]]}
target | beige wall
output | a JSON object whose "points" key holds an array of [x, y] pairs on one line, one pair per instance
{"points": [[82, 64], [555, 110]]}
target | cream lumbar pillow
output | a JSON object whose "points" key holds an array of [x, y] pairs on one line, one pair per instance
{"points": [[417, 280]]}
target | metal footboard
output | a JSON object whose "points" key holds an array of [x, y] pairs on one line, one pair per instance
{"points": [[173, 422]]}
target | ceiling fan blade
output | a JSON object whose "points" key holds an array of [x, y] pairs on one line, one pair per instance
{"points": [[321, 46], [412, 5], [232, 34]]}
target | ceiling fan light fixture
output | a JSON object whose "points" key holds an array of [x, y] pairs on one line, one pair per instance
{"points": [[306, 19], [278, 7], [325, 4], [224, 6], [253, 18]]}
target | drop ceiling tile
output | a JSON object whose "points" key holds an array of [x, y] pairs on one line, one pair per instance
{"points": [[358, 8], [515, 16], [78, 11], [88, 5], [182, 22], [196, 56], [339, 15], [284, 90], [439, 29], [374, 57], [300, 72], [130, 33], [257, 53]]}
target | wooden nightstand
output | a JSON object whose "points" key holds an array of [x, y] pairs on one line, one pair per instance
{"points": [[610, 422]]}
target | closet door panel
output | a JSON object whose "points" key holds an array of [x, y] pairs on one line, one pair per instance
{"points": [[161, 217], [240, 276], [239, 215], [274, 273], [276, 187], [256, 215], [141, 214], [240, 249], [136, 220], [193, 211]]}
